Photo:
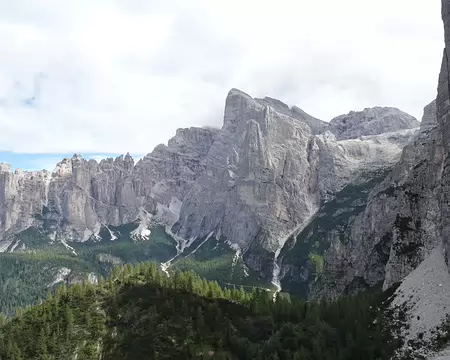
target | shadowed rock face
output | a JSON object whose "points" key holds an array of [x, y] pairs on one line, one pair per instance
{"points": [[443, 114], [399, 226], [408, 214], [254, 182]]}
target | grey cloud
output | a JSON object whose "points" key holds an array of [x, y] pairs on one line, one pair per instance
{"points": [[124, 74], [195, 48]]}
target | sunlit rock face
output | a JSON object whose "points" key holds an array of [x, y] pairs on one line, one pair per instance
{"points": [[254, 183], [270, 169]]}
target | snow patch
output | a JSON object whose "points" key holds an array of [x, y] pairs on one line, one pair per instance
{"points": [[236, 256], [219, 234], [276, 279], [68, 247], [97, 229], [276, 267], [87, 235], [236, 154], [182, 244], [15, 246], [178, 239], [52, 236], [246, 274], [165, 266], [186, 244], [142, 232], [111, 233], [47, 181], [198, 247]]}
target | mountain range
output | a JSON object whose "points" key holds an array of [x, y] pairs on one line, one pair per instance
{"points": [[254, 184], [275, 198]]}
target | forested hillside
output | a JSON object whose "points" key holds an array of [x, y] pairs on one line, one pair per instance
{"points": [[140, 313], [27, 275]]}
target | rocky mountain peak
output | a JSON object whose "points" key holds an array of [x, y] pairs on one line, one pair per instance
{"points": [[253, 183], [126, 162], [193, 140], [371, 121], [64, 167], [317, 126], [239, 107], [276, 104], [429, 119], [5, 167], [77, 157]]}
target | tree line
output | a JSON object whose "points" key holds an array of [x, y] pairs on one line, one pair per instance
{"points": [[140, 313]]}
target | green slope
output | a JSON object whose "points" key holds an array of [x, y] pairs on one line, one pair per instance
{"points": [[303, 255], [27, 275], [139, 313]]}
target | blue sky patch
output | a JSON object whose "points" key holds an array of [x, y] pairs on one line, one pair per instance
{"points": [[46, 161]]}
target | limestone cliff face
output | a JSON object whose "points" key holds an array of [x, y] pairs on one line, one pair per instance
{"points": [[268, 173], [254, 183], [397, 229], [21, 195], [80, 196], [419, 254], [374, 121], [443, 148], [407, 214], [258, 184]]}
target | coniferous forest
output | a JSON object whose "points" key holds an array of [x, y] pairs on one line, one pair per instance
{"points": [[140, 313]]}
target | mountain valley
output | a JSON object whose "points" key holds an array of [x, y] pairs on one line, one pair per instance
{"points": [[290, 221]]}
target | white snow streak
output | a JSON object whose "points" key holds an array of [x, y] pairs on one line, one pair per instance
{"points": [[142, 231], [68, 247], [181, 246], [236, 256], [276, 268], [113, 236], [48, 179], [15, 246], [198, 247]]}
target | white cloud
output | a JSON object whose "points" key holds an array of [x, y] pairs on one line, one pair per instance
{"points": [[116, 76]]}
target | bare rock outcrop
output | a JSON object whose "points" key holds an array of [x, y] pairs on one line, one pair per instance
{"points": [[371, 121], [254, 182], [399, 226], [268, 173]]}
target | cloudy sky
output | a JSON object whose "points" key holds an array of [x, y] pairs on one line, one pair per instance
{"points": [[113, 76]]}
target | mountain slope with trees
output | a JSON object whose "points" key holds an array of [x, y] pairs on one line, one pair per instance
{"points": [[140, 313]]}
